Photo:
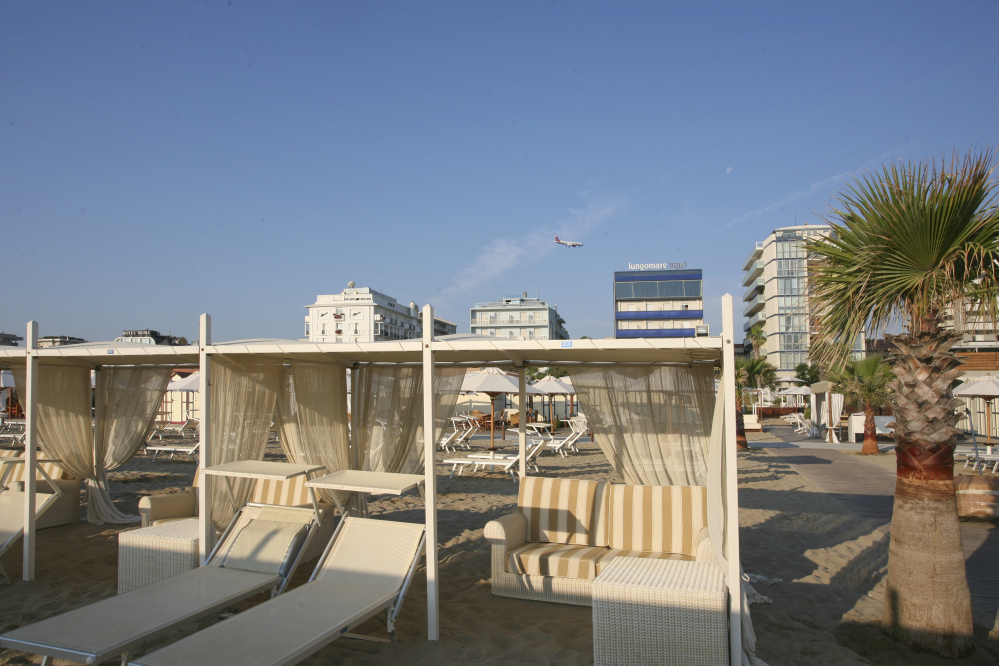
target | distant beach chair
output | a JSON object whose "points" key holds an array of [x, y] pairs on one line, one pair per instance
{"points": [[188, 427], [509, 463], [367, 569], [190, 450], [259, 551], [752, 422], [801, 426], [568, 443]]}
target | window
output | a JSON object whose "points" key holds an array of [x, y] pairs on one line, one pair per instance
{"points": [[794, 286], [692, 288], [790, 267], [789, 249], [686, 306], [378, 328], [624, 290], [790, 304], [671, 289], [792, 323], [793, 342], [646, 289], [790, 360]]}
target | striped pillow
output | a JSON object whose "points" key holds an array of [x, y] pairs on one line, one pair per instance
{"points": [[664, 519], [291, 492], [565, 561], [564, 510]]}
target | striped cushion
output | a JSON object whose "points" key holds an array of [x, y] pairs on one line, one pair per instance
{"points": [[555, 559], [565, 511], [286, 493], [611, 553], [664, 519], [17, 474]]}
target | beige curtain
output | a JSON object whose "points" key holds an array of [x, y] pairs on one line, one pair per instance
{"points": [[389, 415], [243, 393], [128, 399], [311, 416], [64, 422], [650, 421]]}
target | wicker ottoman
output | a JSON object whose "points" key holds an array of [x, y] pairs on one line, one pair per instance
{"points": [[151, 554], [649, 611]]}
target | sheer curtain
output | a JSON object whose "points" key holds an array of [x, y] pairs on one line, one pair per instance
{"points": [[243, 389], [390, 414], [651, 421], [64, 424], [128, 399], [311, 416]]}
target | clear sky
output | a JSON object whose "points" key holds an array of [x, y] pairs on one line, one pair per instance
{"points": [[160, 160]]}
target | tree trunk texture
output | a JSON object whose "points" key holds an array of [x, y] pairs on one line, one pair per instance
{"points": [[870, 432], [927, 601], [740, 426]]}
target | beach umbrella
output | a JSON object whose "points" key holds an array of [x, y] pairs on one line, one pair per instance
{"points": [[190, 383], [552, 387], [493, 382], [987, 389]]}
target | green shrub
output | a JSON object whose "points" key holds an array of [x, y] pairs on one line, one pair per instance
{"points": [[808, 413]]}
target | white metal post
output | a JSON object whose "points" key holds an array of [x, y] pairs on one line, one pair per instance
{"points": [[30, 402], [430, 472], [206, 533], [734, 573], [355, 458], [522, 435]]}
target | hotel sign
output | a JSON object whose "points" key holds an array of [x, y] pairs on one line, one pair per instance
{"points": [[657, 267]]}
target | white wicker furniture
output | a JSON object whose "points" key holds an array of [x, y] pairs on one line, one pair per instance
{"points": [[660, 612], [151, 554], [65, 509]]}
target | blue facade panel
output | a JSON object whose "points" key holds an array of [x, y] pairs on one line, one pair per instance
{"points": [[661, 314], [658, 333]]}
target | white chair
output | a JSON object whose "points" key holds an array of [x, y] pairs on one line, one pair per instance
{"points": [[509, 463], [190, 450], [259, 551], [366, 569], [188, 427]]}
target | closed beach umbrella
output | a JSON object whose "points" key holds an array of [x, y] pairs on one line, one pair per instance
{"points": [[493, 382], [985, 388]]}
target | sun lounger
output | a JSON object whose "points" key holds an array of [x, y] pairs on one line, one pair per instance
{"points": [[752, 422], [568, 443], [12, 507], [188, 427], [259, 551], [366, 570], [509, 464], [451, 442], [187, 449]]}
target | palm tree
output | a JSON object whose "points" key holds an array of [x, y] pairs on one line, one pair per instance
{"points": [[757, 335], [867, 381], [749, 372], [909, 242]]}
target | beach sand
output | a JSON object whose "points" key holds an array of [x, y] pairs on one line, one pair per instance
{"points": [[827, 610]]}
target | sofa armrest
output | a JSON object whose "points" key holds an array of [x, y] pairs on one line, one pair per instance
{"points": [[509, 531], [172, 505], [703, 548]]}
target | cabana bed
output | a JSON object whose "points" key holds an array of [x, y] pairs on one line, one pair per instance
{"points": [[432, 357]]}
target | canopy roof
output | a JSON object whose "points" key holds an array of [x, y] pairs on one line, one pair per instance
{"points": [[984, 387], [797, 390], [482, 350]]}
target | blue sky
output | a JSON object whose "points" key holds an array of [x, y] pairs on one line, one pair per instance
{"points": [[162, 160]]}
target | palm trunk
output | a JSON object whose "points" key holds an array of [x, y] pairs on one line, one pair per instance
{"points": [[870, 432], [927, 601], [740, 426]]}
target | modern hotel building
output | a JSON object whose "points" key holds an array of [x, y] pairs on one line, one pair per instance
{"points": [[655, 303], [776, 296]]}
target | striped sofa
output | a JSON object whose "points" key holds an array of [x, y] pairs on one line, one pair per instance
{"points": [[64, 510], [566, 531], [159, 509]]}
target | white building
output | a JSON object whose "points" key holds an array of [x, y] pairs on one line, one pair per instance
{"points": [[361, 314], [776, 278], [518, 317]]}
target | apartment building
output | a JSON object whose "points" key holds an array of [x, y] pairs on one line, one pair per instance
{"points": [[519, 318], [776, 296], [657, 303], [361, 314], [9, 339]]}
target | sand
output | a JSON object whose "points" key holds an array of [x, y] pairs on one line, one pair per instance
{"points": [[826, 611]]}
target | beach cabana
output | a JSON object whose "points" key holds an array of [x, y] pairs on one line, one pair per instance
{"points": [[244, 384], [827, 408]]}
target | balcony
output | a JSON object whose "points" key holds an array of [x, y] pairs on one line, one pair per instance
{"points": [[755, 305], [758, 318], [755, 270], [757, 253], [754, 287], [508, 321]]}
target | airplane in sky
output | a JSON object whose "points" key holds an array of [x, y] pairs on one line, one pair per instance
{"points": [[568, 243]]}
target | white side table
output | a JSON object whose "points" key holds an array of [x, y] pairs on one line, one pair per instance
{"points": [[151, 554], [660, 612]]}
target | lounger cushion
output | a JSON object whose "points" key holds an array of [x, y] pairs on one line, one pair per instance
{"points": [[611, 553], [663, 519], [265, 546], [555, 559], [565, 511]]}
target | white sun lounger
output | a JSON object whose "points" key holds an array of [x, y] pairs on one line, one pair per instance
{"points": [[365, 570], [188, 427], [568, 443], [187, 449], [508, 463], [259, 551], [12, 507]]}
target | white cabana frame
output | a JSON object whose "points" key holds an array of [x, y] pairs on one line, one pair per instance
{"points": [[429, 353]]}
